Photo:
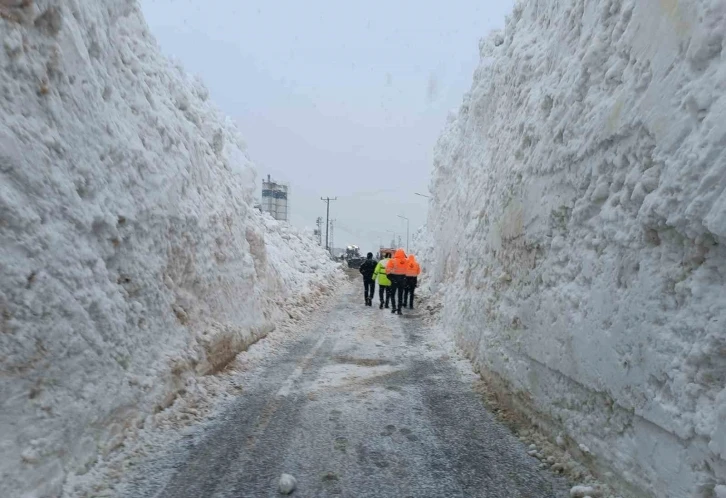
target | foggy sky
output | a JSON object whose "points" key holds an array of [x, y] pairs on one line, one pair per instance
{"points": [[335, 98]]}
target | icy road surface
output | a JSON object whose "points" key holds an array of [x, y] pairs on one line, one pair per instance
{"points": [[367, 404]]}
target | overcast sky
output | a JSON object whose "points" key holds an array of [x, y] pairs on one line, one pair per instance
{"points": [[340, 99]]}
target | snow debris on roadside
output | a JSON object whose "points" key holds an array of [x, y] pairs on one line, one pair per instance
{"points": [[556, 457], [133, 267], [192, 410], [585, 492], [576, 233]]}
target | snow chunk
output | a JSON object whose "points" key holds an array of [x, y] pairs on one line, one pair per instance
{"points": [[584, 491], [287, 484]]}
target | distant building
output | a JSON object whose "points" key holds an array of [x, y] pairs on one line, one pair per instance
{"points": [[275, 199]]}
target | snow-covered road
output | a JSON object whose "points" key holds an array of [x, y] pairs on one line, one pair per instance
{"points": [[366, 404]]}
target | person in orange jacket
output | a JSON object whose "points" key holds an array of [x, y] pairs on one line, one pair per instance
{"points": [[413, 270], [396, 272]]}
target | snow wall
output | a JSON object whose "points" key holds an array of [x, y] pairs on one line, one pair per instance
{"points": [[578, 226], [131, 259]]}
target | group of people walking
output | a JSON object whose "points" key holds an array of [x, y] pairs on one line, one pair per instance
{"points": [[397, 277]]}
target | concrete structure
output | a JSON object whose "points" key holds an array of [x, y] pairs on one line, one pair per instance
{"points": [[275, 199]]}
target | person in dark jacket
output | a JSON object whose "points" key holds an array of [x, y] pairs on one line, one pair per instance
{"points": [[367, 268], [413, 270]]}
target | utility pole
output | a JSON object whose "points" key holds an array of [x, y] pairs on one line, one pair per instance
{"points": [[403, 217], [327, 219], [319, 223]]}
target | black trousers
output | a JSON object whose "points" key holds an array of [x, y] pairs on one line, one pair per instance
{"points": [[384, 290], [398, 283], [408, 292], [369, 288]]}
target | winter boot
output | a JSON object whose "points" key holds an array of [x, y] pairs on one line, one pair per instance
{"points": [[393, 311], [381, 306], [398, 312]]}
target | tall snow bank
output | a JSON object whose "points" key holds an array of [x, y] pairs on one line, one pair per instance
{"points": [[579, 223], [131, 260]]}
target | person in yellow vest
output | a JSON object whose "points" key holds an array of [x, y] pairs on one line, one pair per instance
{"points": [[384, 284], [396, 272], [413, 270]]}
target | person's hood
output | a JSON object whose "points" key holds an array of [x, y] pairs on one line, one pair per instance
{"points": [[400, 254]]}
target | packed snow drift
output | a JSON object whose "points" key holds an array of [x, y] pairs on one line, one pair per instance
{"points": [[131, 259], [577, 231]]}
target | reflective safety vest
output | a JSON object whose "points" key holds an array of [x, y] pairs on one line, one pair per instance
{"points": [[413, 269], [397, 264], [380, 273]]}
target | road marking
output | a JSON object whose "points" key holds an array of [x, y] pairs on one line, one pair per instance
{"points": [[287, 385]]}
